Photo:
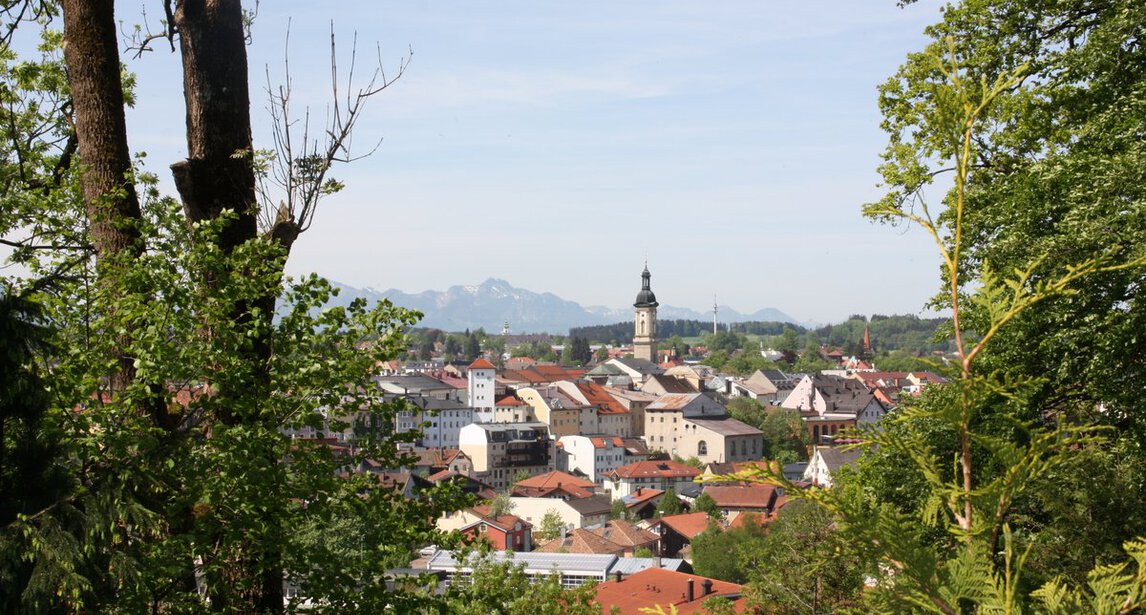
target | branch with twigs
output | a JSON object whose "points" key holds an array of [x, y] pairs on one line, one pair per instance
{"points": [[295, 176]]}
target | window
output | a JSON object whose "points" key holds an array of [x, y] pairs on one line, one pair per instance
{"points": [[701, 448]]}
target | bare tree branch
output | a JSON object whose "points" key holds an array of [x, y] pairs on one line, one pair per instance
{"points": [[297, 174]]}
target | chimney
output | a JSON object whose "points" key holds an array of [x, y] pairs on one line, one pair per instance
{"points": [[689, 597], [618, 576], [707, 585]]}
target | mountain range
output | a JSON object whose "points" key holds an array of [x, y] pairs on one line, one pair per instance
{"points": [[494, 302]]}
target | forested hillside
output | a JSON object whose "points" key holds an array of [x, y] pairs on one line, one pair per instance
{"points": [[907, 333]]}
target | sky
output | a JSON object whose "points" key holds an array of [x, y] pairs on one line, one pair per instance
{"points": [[560, 145]]}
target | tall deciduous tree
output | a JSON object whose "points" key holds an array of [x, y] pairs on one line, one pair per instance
{"points": [[175, 377]]}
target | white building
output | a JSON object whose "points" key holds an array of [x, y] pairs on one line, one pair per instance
{"points": [[439, 421], [500, 451], [594, 456], [480, 389]]}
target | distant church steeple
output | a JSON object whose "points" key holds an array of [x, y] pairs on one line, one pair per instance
{"points": [[645, 320]]}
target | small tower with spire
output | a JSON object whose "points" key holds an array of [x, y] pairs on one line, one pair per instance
{"points": [[645, 320]]}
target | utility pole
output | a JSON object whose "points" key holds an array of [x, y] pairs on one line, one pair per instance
{"points": [[714, 314]]}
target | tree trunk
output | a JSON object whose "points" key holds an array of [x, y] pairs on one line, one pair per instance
{"points": [[91, 53], [218, 176]]}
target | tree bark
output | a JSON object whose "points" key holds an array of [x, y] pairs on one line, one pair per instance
{"points": [[218, 173], [218, 176], [91, 53]]}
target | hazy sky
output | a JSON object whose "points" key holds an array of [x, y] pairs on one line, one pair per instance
{"points": [[557, 145]]}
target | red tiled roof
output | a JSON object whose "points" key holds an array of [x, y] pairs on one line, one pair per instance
{"points": [[657, 586], [552, 479], [436, 457], [481, 363], [523, 375], [509, 401], [641, 495], [663, 469], [689, 525], [581, 540], [597, 396], [742, 496], [504, 522], [605, 441], [624, 533]]}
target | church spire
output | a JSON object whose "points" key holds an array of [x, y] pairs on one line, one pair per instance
{"points": [[645, 320]]}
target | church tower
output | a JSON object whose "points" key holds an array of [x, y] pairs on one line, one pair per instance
{"points": [[645, 322]]}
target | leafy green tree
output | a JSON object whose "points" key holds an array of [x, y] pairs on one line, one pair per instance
{"points": [[724, 341], [503, 587], [472, 347], [786, 438], [748, 362], [1058, 178], [717, 360], [669, 504], [803, 564], [725, 554], [453, 347], [787, 342], [999, 453], [617, 510], [705, 503], [810, 361], [577, 352], [181, 350], [551, 525]]}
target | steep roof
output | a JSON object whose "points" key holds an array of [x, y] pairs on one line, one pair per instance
{"points": [[835, 458], [689, 525], [597, 395], [842, 395], [635, 446], [671, 384], [481, 363], [436, 457], [673, 401]]}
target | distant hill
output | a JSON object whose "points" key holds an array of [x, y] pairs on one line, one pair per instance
{"points": [[495, 301]]}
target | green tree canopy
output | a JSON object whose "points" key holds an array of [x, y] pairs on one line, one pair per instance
{"points": [[669, 504]]}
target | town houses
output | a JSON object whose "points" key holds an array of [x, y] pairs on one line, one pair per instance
{"points": [[608, 459]]}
